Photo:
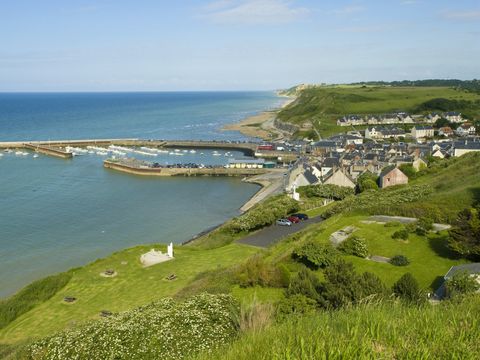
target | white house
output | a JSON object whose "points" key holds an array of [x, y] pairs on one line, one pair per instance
{"points": [[466, 146], [419, 132], [432, 118], [453, 117], [339, 178], [371, 133], [465, 129]]}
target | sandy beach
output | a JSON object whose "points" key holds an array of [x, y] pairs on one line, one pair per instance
{"points": [[261, 125]]}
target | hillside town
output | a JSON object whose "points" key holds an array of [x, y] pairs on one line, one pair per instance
{"points": [[387, 144]]}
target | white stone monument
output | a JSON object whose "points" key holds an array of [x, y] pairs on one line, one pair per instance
{"points": [[170, 250]]}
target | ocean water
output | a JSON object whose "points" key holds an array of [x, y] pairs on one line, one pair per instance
{"points": [[57, 214]]}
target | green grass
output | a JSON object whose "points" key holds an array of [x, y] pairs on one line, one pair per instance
{"points": [[373, 331], [133, 286], [322, 106]]}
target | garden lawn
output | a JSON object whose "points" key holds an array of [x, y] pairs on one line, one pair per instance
{"points": [[133, 286], [429, 255]]}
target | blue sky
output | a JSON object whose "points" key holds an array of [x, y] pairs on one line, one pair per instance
{"points": [[123, 45]]}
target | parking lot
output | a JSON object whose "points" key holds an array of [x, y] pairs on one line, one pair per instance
{"points": [[274, 233]]}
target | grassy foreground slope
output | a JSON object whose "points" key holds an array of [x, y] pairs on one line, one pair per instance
{"points": [[133, 286], [373, 331], [323, 105]]}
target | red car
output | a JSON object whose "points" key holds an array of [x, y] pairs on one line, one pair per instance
{"points": [[293, 219]]}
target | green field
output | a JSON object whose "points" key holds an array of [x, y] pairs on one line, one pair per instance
{"points": [[133, 286], [322, 106]]}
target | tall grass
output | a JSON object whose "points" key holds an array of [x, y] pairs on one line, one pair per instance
{"points": [[381, 331], [30, 296]]}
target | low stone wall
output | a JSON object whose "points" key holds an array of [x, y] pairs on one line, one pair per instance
{"points": [[49, 151]]}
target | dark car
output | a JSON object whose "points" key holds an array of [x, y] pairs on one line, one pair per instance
{"points": [[293, 219], [301, 216]]}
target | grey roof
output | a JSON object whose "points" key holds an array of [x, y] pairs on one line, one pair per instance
{"points": [[473, 268], [310, 176], [246, 161], [423, 127], [331, 162], [468, 145], [325, 144]]}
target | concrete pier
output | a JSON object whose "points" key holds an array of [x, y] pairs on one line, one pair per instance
{"points": [[179, 171], [47, 150]]}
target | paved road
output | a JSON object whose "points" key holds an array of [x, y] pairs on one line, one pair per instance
{"points": [[274, 233]]}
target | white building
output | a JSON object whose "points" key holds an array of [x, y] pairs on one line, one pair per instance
{"points": [[419, 132]]}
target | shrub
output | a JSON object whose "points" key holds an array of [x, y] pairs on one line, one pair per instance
{"points": [[401, 234], [399, 260], [354, 245], [461, 283], [315, 254], [305, 283], [264, 214], [408, 170], [367, 181], [30, 296], [162, 330], [407, 289], [425, 223], [255, 271], [326, 191], [297, 304]]}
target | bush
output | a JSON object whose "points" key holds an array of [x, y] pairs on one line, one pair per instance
{"points": [[407, 289], [461, 283], [297, 304], [315, 255], [354, 245], [401, 234], [399, 260], [255, 271], [162, 330], [425, 223], [304, 283], [37, 292], [264, 214], [328, 191], [367, 181]]}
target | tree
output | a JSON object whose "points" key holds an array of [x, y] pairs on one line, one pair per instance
{"points": [[465, 234], [408, 170], [461, 283], [354, 246], [315, 255], [367, 181], [407, 289]]}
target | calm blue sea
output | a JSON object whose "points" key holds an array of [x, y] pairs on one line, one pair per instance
{"points": [[57, 214]]}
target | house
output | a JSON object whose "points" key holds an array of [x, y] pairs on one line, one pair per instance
{"points": [[453, 117], [465, 130], [350, 120], [371, 133], [438, 154], [432, 118], [471, 269], [445, 131], [465, 146], [419, 164], [307, 178], [405, 118], [339, 178], [328, 164], [419, 132], [389, 119], [392, 176], [392, 133], [372, 120]]}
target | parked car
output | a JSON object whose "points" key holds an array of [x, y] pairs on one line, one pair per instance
{"points": [[301, 216], [284, 222], [293, 219]]}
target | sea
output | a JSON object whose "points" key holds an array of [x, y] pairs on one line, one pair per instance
{"points": [[56, 214]]}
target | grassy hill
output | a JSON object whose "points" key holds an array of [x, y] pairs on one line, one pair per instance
{"points": [[323, 105], [376, 331]]}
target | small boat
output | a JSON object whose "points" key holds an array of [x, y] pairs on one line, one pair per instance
{"points": [[192, 151], [35, 156]]}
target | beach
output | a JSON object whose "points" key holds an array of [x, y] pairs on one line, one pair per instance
{"points": [[261, 125]]}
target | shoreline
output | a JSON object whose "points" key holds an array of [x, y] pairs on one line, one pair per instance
{"points": [[261, 125]]}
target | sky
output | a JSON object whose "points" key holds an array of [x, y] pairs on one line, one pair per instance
{"points": [[181, 45]]}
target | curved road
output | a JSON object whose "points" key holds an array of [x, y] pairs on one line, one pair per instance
{"points": [[274, 233]]}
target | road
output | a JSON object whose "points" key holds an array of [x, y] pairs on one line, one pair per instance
{"points": [[274, 233]]}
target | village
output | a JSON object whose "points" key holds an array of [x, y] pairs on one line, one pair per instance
{"points": [[383, 148]]}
